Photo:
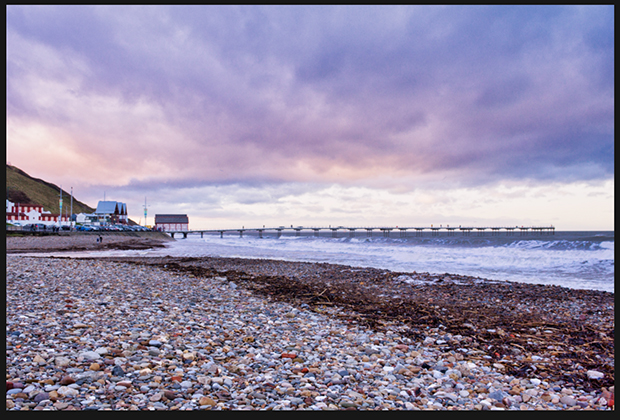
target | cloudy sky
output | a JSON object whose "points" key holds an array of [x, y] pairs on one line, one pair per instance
{"points": [[319, 115]]}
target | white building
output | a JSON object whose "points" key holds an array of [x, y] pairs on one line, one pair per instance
{"points": [[112, 212], [31, 213], [172, 222]]}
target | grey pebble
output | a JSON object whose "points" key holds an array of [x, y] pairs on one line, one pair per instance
{"points": [[226, 348]]}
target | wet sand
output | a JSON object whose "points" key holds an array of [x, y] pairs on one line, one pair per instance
{"points": [[80, 241]]}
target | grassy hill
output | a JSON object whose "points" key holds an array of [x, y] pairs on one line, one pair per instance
{"points": [[22, 188]]}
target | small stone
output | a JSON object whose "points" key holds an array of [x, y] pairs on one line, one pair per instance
{"points": [[68, 391], [66, 380], [38, 359], [62, 361], [207, 401], [90, 355], [288, 355], [594, 374], [41, 396], [118, 371], [497, 395], [61, 405], [94, 366], [156, 397], [14, 391], [569, 401]]}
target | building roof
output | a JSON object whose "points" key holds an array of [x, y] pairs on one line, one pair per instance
{"points": [[106, 207], [171, 218]]}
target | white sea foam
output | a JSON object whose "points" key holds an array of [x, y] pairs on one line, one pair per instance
{"points": [[565, 263], [579, 263]]}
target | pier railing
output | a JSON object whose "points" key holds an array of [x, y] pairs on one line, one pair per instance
{"points": [[385, 231]]}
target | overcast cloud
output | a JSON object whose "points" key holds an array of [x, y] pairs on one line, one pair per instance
{"points": [[252, 104]]}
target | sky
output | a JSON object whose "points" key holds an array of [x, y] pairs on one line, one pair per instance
{"points": [[320, 115]]}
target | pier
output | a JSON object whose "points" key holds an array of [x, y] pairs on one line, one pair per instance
{"points": [[384, 231]]}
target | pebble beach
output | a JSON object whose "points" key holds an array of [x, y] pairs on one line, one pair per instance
{"points": [[129, 334]]}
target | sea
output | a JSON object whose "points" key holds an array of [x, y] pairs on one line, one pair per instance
{"points": [[577, 260]]}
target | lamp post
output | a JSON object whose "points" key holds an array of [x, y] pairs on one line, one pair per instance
{"points": [[60, 210], [71, 216], [145, 211]]}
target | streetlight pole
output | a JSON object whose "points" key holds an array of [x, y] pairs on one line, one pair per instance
{"points": [[71, 224], [145, 211], [60, 209]]}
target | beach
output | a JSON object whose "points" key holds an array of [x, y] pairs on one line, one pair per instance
{"points": [[173, 333], [78, 241]]}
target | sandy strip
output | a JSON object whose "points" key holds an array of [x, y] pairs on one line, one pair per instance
{"points": [[85, 241]]}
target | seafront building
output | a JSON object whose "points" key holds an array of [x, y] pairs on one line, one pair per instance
{"points": [[172, 222], [31, 213], [111, 212]]}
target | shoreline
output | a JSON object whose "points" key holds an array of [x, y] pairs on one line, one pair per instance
{"points": [[525, 332]]}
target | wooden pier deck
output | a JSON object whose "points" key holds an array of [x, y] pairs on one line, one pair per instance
{"points": [[385, 231]]}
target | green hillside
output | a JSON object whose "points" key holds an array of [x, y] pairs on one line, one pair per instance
{"points": [[22, 188]]}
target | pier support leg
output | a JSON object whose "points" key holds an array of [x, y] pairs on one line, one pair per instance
{"points": [[221, 233]]}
